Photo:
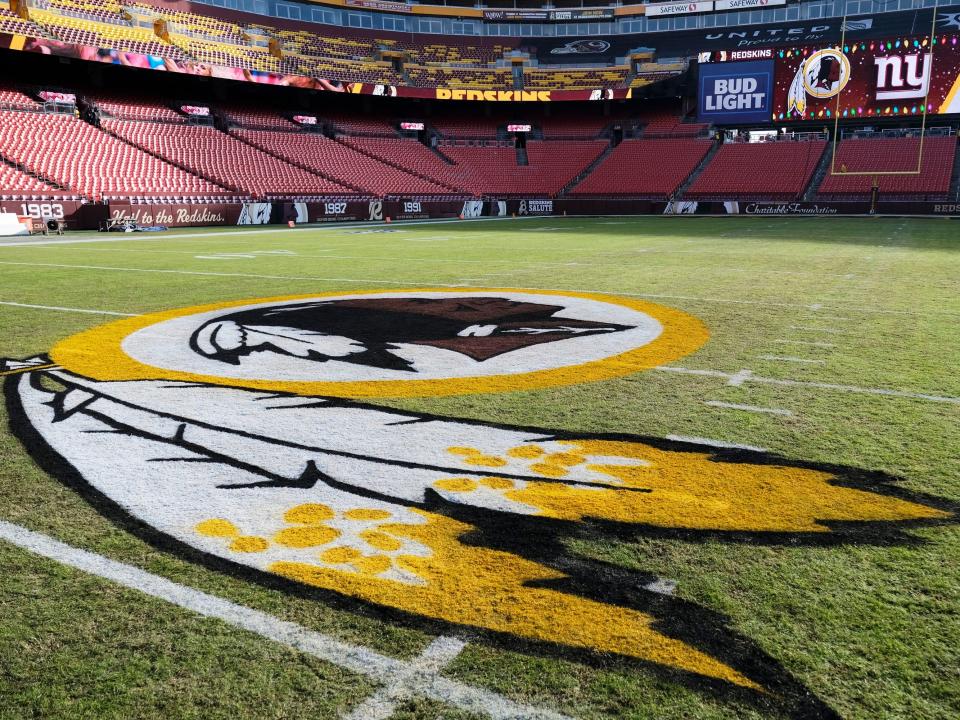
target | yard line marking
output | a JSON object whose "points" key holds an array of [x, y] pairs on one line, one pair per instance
{"points": [[748, 408], [714, 443], [739, 378], [829, 317], [662, 586], [67, 309], [218, 274], [813, 384], [806, 342], [830, 331], [762, 303], [382, 704], [789, 358], [354, 658]]}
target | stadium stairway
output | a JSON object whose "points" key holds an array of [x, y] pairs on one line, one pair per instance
{"points": [[358, 146], [522, 158], [586, 171], [822, 169], [685, 185], [266, 149], [955, 178], [30, 172], [106, 128]]}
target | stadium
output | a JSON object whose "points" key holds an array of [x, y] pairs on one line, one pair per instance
{"points": [[518, 359]]}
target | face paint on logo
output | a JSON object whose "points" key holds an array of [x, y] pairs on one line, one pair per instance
{"points": [[435, 517]]}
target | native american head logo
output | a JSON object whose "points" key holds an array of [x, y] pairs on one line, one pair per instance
{"points": [[232, 433], [822, 75], [371, 331]]}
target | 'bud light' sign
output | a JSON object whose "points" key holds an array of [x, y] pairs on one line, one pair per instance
{"points": [[736, 92]]}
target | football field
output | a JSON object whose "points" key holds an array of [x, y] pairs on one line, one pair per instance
{"points": [[521, 468]]}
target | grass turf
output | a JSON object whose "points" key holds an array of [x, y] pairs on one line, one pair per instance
{"points": [[873, 631]]}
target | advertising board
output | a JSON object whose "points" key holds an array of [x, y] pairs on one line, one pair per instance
{"points": [[735, 92]]}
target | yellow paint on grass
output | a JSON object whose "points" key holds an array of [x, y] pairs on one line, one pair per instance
{"points": [[309, 513], [99, 353], [249, 543], [304, 537], [366, 514], [217, 527], [691, 490], [491, 589]]}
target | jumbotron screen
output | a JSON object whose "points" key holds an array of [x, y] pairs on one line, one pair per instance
{"points": [[869, 78]]}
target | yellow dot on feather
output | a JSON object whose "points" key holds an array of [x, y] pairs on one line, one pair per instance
{"points": [[308, 513], [549, 470], [217, 527], [485, 460], [366, 514], [381, 541], [496, 483], [525, 452], [249, 543], [340, 555], [457, 450], [373, 564], [304, 537], [565, 458], [456, 484]]}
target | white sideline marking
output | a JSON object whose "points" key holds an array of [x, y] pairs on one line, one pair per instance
{"points": [[381, 705], [809, 383], [806, 342], [363, 661], [714, 443], [748, 408], [158, 237], [830, 317], [218, 274], [67, 309], [790, 358]]}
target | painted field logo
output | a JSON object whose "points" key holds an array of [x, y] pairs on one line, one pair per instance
{"points": [[222, 431]]}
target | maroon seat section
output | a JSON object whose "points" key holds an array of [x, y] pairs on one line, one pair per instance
{"points": [[751, 171], [899, 155]]}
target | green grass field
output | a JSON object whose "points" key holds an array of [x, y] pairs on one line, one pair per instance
{"points": [[842, 310]]}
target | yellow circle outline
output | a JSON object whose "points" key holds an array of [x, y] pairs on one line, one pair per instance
{"points": [[845, 67], [98, 353]]}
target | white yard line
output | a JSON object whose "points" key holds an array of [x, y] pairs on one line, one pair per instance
{"points": [[790, 358], [421, 676], [750, 377], [219, 274], [382, 704], [748, 408], [806, 342], [714, 443], [67, 309], [829, 331]]}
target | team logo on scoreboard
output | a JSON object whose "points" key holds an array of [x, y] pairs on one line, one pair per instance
{"points": [[822, 75]]}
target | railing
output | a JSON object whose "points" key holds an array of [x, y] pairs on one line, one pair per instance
{"points": [[870, 133]]}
